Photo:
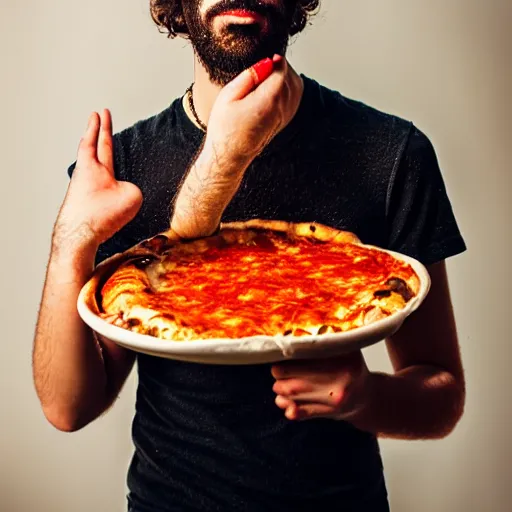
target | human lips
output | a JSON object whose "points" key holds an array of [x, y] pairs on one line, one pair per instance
{"points": [[243, 16]]}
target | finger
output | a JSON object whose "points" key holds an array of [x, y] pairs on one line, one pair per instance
{"points": [[246, 81], [333, 398], [263, 69], [275, 80], [310, 411], [278, 371], [301, 391], [290, 369], [105, 143], [320, 369], [291, 411], [292, 387], [87, 150], [298, 369], [282, 402]]}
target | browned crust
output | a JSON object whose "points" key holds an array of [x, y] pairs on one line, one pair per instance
{"points": [[102, 272], [121, 290], [296, 229], [414, 283]]}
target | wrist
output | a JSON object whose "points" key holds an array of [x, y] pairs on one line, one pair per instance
{"points": [[186, 229], [69, 240], [362, 414], [73, 252]]}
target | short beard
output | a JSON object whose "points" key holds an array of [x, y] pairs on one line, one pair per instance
{"points": [[240, 46]]}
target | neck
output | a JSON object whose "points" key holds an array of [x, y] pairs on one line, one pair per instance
{"points": [[205, 92]]}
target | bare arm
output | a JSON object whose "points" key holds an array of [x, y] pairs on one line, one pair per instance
{"points": [[76, 375], [247, 114], [211, 183], [425, 396], [422, 399]]}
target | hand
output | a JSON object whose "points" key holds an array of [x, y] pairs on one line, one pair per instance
{"points": [[252, 108], [96, 205], [337, 388]]}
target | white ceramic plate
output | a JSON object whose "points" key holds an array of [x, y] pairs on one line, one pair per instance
{"points": [[258, 349]]}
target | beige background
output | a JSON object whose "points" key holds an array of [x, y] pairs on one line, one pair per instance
{"points": [[443, 64]]}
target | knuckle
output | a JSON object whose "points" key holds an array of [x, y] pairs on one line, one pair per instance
{"points": [[106, 142], [105, 155], [295, 387], [287, 390], [86, 148]]}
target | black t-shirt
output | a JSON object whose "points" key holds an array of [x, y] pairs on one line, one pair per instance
{"points": [[210, 438]]}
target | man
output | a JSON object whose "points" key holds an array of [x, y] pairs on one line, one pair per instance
{"points": [[253, 138]]}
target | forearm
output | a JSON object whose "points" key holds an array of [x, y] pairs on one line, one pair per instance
{"points": [[209, 186], [68, 369], [420, 402]]}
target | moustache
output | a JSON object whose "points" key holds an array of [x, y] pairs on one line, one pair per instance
{"points": [[262, 8]]}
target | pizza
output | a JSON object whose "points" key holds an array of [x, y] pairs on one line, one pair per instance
{"points": [[254, 278]]}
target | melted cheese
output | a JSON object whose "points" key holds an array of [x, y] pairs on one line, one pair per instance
{"points": [[259, 285]]}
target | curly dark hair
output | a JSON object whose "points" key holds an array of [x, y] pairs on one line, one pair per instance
{"points": [[168, 15]]}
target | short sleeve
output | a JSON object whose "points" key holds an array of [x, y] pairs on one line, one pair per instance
{"points": [[421, 221], [120, 241]]}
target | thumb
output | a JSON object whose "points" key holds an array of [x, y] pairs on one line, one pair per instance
{"points": [[246, 81], [132, 196]]}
